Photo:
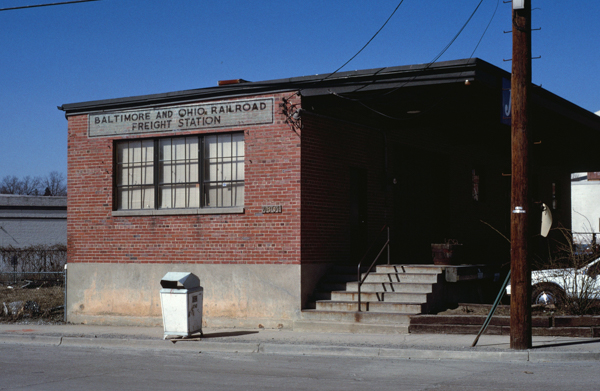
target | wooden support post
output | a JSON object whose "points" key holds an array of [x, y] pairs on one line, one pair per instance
{"points": [[520, 304]]}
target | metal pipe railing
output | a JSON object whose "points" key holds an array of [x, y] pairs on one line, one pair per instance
{"points": [[361, 279]]}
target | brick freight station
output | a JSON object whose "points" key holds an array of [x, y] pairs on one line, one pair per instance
{"points": [[262, 188]]}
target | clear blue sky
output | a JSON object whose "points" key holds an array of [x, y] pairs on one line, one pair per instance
{"points": [[112, 49]]}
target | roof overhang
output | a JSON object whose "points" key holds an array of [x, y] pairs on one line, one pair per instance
{"points": [[356, 83]]}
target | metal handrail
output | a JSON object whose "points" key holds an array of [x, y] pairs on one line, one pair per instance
{"points": [[385, 245]]}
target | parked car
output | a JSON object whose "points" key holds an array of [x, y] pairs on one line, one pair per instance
{"points": [[553, 286]]}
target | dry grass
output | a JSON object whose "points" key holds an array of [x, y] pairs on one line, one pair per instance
{"points": [[50, 301]]}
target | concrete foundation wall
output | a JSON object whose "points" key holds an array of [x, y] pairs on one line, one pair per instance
{"points": [[234, 295]]}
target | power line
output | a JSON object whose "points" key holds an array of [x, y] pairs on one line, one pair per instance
{"points": [[367, 44], [486, 28], [444, 50], [45, 5]]}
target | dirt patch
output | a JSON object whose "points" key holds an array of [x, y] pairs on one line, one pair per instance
{"points": [[502, 310], [35, 304]]}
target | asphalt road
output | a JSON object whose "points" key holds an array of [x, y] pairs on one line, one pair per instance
{"points": [[49, 368]]}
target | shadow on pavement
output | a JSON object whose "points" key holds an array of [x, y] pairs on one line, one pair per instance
{"points": [[559, 344]]}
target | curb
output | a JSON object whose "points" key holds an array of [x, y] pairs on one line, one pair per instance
{"points": [[297, 350]]}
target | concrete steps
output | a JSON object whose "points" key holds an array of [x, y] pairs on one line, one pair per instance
{"points": [[399, 287], [389, 295], [430, 278], [377, 306]]}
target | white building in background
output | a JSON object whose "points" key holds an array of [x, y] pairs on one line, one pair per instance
{"points": [[32, 220], [585, 204]]}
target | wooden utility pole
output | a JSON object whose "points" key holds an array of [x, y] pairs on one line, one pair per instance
{"points": [[520, 302]]}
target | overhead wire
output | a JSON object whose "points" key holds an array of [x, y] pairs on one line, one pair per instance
{"points": [[368, 42], [357, 53], [428, 65], [45, 5]]}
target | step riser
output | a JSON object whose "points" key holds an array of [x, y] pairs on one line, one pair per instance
{"points": [[356, 317], [404, 308], [396, 287], [420, 278], [387, 297], [406, 269]]}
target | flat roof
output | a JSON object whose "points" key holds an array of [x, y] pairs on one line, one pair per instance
{"points": [[360, 81], [17, 201]]}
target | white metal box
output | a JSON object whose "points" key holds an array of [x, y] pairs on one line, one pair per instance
{"points": [[181, 302]]}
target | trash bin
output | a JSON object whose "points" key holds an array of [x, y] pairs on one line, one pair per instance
{"points": [[181, 301]]}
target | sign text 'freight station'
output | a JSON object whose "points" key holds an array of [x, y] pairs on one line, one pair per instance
{"points": [[200, 116]]}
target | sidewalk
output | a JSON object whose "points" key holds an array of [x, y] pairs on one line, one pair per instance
{"points": [[265, 341]]}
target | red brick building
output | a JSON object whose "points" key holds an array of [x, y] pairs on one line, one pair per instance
{"points": [[260, 187]]}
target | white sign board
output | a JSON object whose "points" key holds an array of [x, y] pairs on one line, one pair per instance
{"points": [[176, 118]]}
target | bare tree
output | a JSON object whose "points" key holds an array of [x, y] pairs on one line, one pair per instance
{"points": [[10, 185], [30, 186], [54, 184]]}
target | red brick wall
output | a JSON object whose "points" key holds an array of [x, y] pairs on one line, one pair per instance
{"points": [[330, 149], [272, 172]]}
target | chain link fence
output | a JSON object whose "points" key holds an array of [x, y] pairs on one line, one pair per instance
{"points": [[32, 281], [34, 264]]}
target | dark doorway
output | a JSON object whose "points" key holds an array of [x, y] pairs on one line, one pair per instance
{"points": [[420, 203]]}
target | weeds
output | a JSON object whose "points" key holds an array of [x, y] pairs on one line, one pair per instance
{"points": [[569, 277]]}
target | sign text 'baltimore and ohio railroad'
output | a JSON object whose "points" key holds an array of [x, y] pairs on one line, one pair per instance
{"points": [[174, 118]]}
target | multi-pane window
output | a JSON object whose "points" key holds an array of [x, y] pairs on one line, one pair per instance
{"points": [[178, 173], [135, 175], [191, 172], [224, 170]]}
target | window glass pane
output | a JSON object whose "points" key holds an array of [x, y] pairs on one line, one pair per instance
{"points": [[210, 149], [120, 170], [226, 167], [192, 172], [226, 143], [192, 148], [165, 197], [122, 152], [178, 149], [239, 175], [165, 149], [238, 193], [193, 196], [238, 140], [179, 173], [211, 195], [148, 151], [147, 197], [165, 173], [135, 171], [122, 199]]}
